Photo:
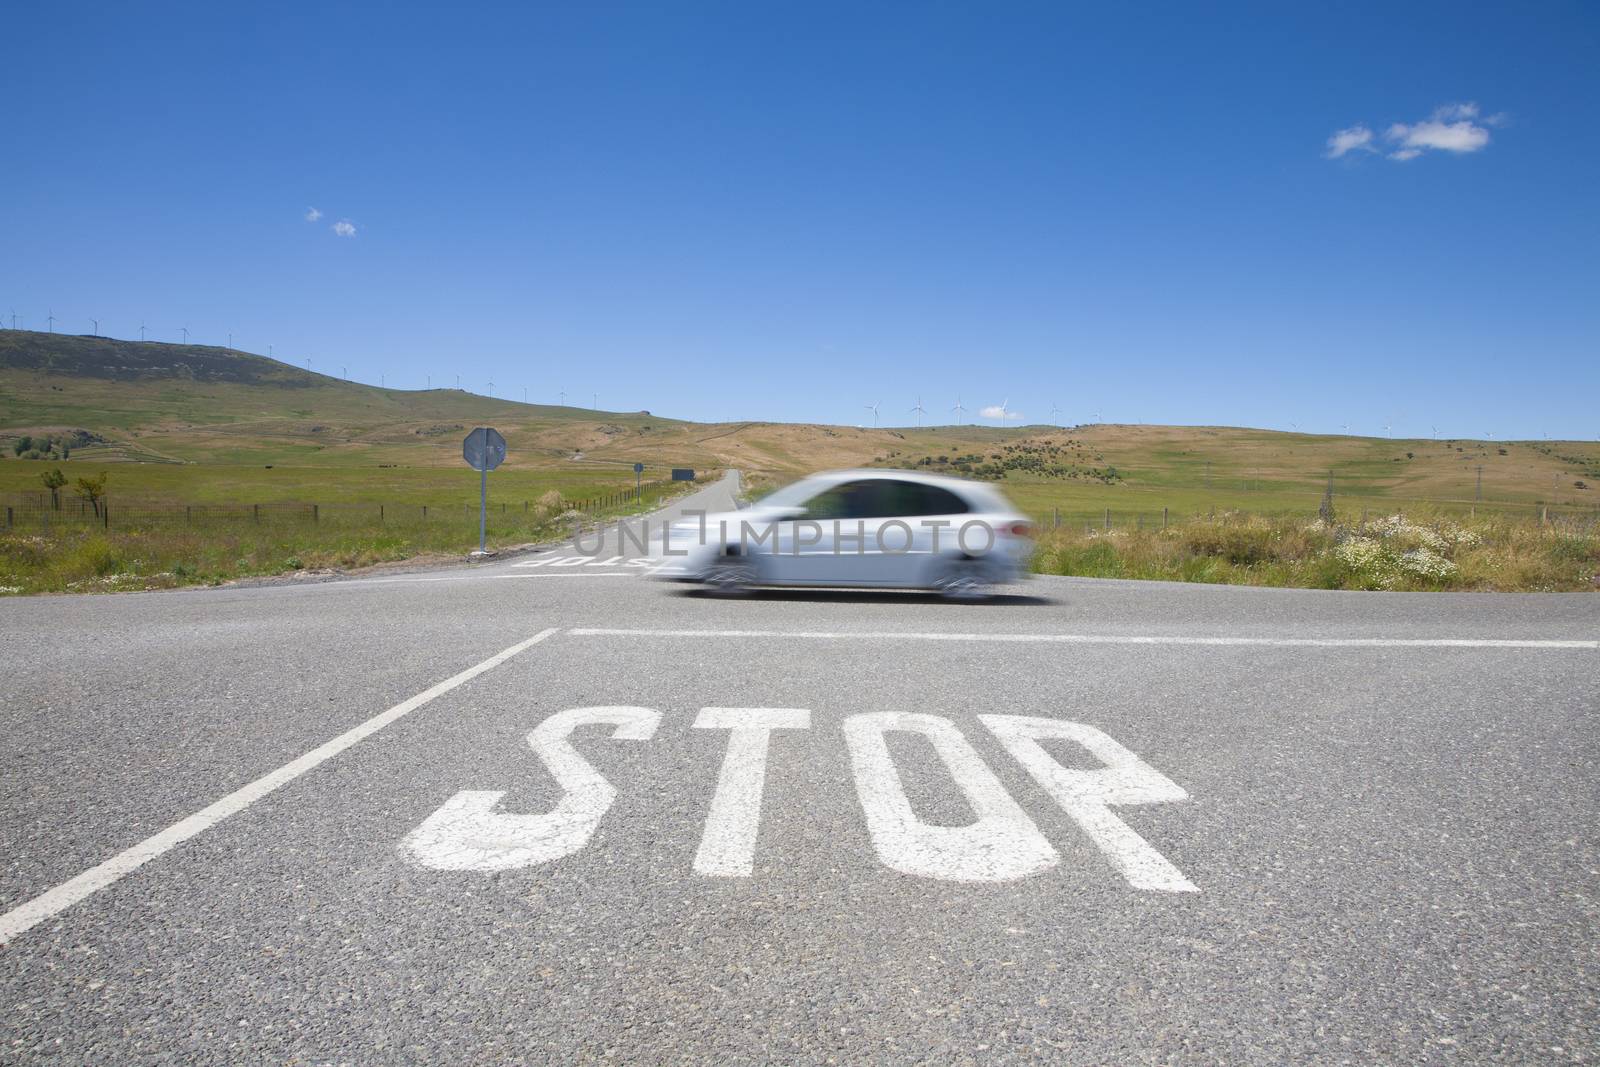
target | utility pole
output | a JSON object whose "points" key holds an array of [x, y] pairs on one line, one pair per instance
{"points": [[1478, 498]]}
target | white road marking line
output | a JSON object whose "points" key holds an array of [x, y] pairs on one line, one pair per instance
{"points": [[1002, 844], [1087, 795], [359, 582], [54, 901], [728, 845], [467, 834], [1095, 639], [575, 574]]}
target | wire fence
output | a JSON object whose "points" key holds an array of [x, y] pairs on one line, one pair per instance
{"points": [[1584, 520], [40, 513]]}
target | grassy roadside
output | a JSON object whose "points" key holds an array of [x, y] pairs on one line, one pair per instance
{"points": [[1421, 551], [163, 555]]}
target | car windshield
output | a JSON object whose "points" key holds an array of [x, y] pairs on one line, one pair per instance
{"points": [[795, 494]]}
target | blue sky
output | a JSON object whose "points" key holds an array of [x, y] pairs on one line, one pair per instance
{"points": [[790, 211]]}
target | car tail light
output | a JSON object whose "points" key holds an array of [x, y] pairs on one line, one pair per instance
{"points": [[1020, 529]]}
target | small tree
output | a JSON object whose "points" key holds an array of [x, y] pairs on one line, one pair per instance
{"points": [[92, 490], [53, 481], [23, 444]]}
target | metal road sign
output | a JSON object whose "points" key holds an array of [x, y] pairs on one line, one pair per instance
{"points": [[638, 468], [484, 449]]}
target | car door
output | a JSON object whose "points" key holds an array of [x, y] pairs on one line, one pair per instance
{"points": [[821, 546], [919, 519]]}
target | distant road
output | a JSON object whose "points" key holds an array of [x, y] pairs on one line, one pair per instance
{"points": [[548, 810]]}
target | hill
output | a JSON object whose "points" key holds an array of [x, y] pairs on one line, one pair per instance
{"points": [[198, 421]]}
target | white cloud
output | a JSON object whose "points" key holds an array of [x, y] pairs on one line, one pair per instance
{"points": [[312, 214], [344, 228], [1451, 129], [997, 411], [1455, 128], [1455, 112], [1357, 136]]}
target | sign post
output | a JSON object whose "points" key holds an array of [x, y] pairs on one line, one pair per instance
{"points": [[484, 450], [638, 481]]}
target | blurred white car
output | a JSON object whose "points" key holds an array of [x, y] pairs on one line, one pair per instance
{"points": [[861, 528]]}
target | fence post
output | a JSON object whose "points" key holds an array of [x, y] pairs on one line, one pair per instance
{"points": [[1055, 517], [105, 515], [1163, 518], [8, 517], [255, 511], [188, 515], [380, 514], [424, 513], [1108, 518], [316, 513]]}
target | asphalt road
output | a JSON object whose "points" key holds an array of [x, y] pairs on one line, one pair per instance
{"points": [[368, 821]]}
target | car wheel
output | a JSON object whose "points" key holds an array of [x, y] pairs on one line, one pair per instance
{"points": [[731, 576], [963, 579]]}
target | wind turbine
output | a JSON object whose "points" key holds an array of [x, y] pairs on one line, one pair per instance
{"points": [[959, 410], [1054, 413], [490, 387], [919, 409], [596, 402], [141, 332], [52, 319], [185, 330], [563, 398], [344, 372], [874, 409], [1003, 413], [96, 328], [1435, 432]]}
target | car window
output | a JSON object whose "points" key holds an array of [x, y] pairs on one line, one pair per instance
{"points": [[848, 500], [932, 500], [883, 498]]}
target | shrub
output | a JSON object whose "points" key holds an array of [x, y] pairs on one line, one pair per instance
{"points": [[53, 480]]}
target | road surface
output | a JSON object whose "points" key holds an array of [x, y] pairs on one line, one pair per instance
{"points": [[550, 811]]}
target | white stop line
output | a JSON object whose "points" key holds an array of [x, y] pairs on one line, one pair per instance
{"points": [[469, 833]]}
